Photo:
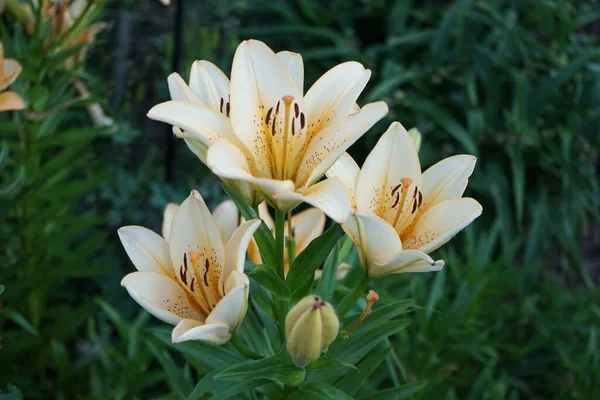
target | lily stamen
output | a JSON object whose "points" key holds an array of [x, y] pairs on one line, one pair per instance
{"points": [[287, 100], [372, 297], [405, 182]]}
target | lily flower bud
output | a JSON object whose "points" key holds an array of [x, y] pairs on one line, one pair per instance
{"points": [[310, 327]]}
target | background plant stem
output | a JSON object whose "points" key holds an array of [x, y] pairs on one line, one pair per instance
{"points": [[351, 299]]}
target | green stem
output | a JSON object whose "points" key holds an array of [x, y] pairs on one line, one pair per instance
{"points": [[242, 348], [279, 242], [353, 297], [291, 241], [281, 305]]}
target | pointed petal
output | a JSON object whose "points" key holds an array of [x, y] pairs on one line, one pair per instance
{"points": [[330, 196], [227, 161], [377, 191], [168, 215], [294, 64], [231, 309], [197, 122], [441, 222], [211, 86], [197, 147], [193, 229], [226, 218], [447, 179], [375, 239], [307, 225], [333, 96], [161, 296], [329, 144], [235, 250], [10, 101], [346, 169], [407, 261], [147, 251], [263, 213], [189, 329], [179, 90], [12, 69], [259, 84]]}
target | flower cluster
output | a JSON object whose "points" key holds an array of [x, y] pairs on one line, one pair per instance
{"points": [[273, 143]]}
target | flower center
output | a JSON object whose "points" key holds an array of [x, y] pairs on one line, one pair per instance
{"points": [[400, 192]]}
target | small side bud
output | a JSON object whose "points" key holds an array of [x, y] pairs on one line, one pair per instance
{"points": [[310, 327], [415, 135]]}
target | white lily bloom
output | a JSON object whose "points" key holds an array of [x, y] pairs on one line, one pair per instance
{"points": [[401, 215], [191, 278], [285, 141], [199, 114]]}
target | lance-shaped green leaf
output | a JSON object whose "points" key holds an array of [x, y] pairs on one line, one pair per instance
{"points": [[263, 236], [381, 314], [268, 278], [278, 368], [398, 393], [307, 262], [354, 380], [222, 389], [324, 362], [318, 391]]}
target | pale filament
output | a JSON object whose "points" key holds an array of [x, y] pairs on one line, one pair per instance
{"points": [[287, 101]]}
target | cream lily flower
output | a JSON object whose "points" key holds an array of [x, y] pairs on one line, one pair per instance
{"points": [[401, 215], [193, 280], [9, 70], [199, 113], [307, 225], [289, 140]]}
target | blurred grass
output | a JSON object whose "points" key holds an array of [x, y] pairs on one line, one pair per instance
{"points": [[515, 313]]}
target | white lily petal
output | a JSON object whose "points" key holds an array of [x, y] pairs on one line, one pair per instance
{"points": [[197, 147], [346, 169], [375, 239], [294, 64], [447, 179], [211, 86], [147, 251], [333, 96], [231, 309], [168, 215], [329, 144], [379, 189], [227, 161], [406, 261], [330, 196], [235, 280], [340, 274], [235, 250], [196, 121], [226, 218], [263, 213], [307, 226], [179, 90], [11, 69], [189, 329], [441, 222], [161, 296], [193, 230], [10, 101], [260, 83]]}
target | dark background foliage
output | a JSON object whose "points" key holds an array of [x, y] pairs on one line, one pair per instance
{"points": [[514, 314]]}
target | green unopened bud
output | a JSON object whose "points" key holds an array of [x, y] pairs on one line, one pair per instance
{"points": [[415, 135], [310, 327]]}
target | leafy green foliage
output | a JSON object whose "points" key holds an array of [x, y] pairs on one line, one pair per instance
{"points": [[514, 314]]}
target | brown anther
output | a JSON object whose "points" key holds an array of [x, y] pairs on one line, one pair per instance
{"points": [[372, 296]]}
